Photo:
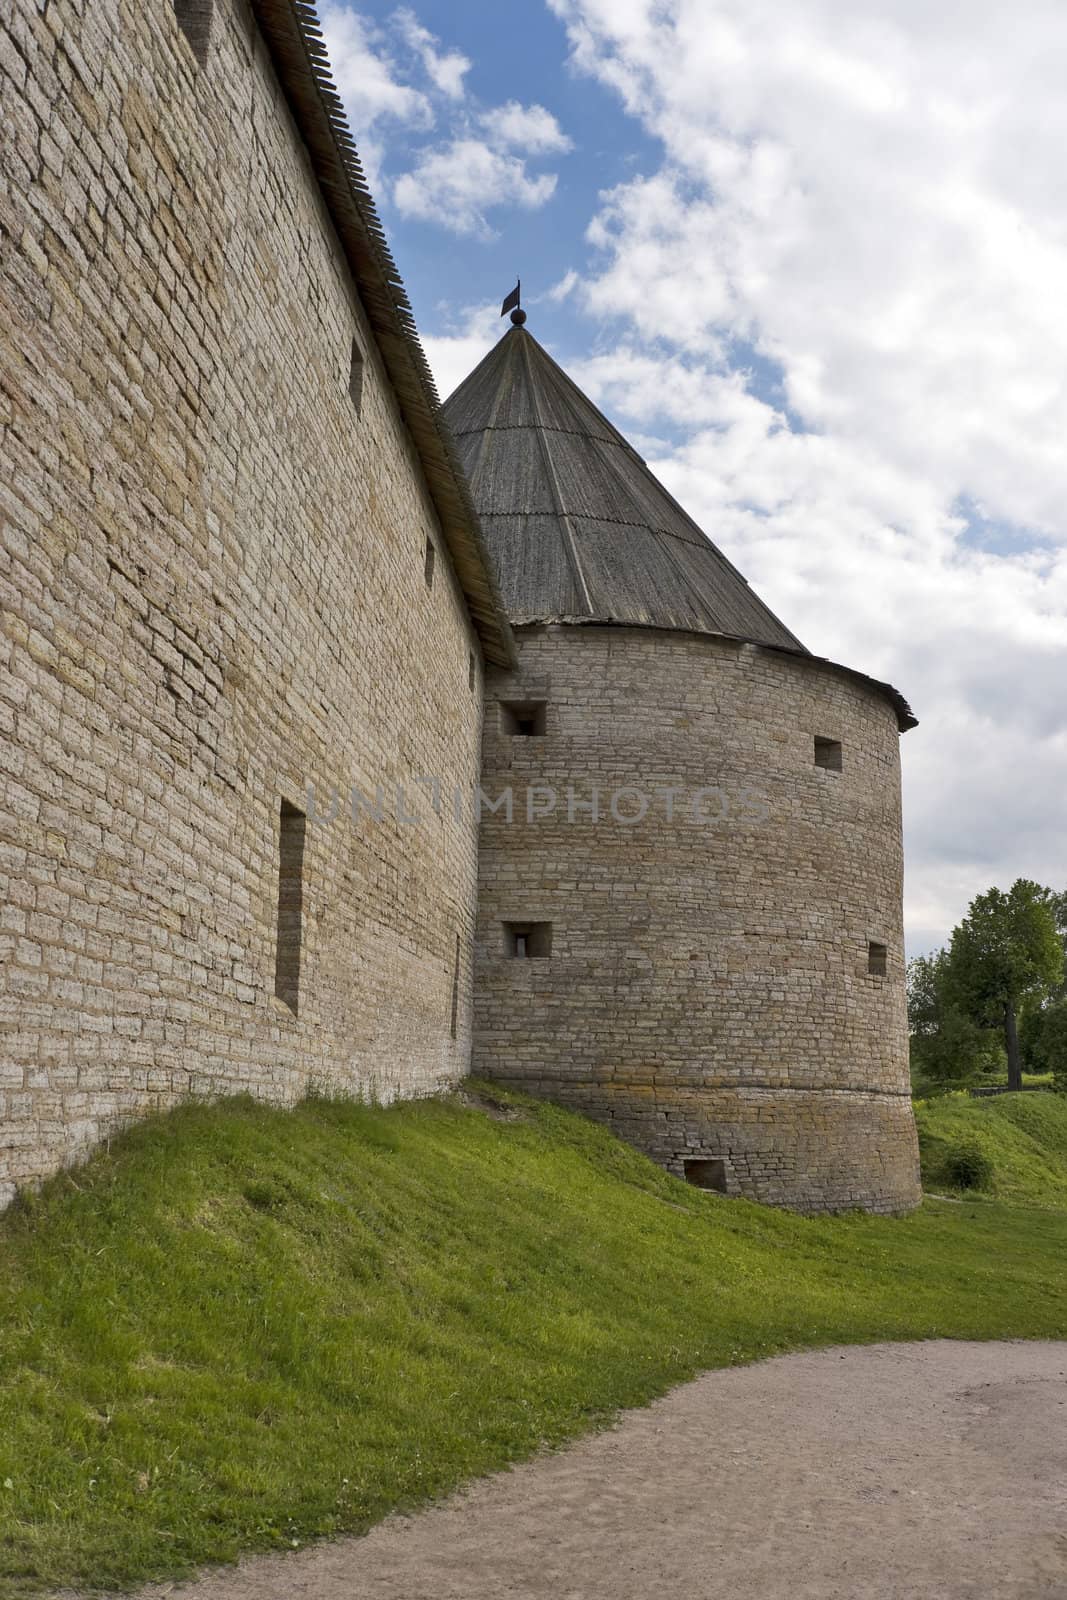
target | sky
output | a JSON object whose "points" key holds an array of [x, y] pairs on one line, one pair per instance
{"points": [[811, 257]]}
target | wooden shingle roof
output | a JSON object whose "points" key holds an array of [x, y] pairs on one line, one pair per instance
{"points": [[578, 528], [577, 525]]}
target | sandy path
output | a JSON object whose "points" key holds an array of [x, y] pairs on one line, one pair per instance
{"points": [[895, 1471]]}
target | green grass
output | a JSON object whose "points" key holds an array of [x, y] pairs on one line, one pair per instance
{"points": [[1025, 1136], [245, 1328]]}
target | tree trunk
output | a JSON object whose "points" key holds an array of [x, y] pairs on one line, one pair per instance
{"points": [[1011, 1039]]}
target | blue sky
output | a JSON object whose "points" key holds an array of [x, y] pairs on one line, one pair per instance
{"points": [[447, 274], [810, 257], [530, 67]]}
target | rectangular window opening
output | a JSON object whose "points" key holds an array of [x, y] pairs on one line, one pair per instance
{"points": [[291, 830], [194, 19], [525, 941], [428, 563], [454, 1026], [706, 1174], [523, 719], [876, 960], [828, 754], [472, 671], [355, 377]]}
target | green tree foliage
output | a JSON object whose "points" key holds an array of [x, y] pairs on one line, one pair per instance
{"points": [[1058, 907], [1043, 1039], [925, 985], [1043, 1024], [948, 1049], [1005, 955]]}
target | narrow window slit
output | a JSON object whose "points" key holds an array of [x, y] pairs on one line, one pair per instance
{"points": [[523, 719], [876, 960], [355, 377], [194, 19], [454, 1026], [524, 941], [291, 831], [828, 754], [428, 563]]}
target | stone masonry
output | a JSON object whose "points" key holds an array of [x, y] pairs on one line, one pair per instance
{"points": [[707, 992], [214, 591], [239, 558]]}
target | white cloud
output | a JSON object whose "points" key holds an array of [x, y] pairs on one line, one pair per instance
{"points": [[458, 180], [531, 129], [445, 68], [564, 288], [368, 82], [458, 183], [873, 199], [453, 355], [366, 77]]}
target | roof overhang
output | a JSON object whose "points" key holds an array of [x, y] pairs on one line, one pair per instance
{"points": [[905, 716], [291, 31]]}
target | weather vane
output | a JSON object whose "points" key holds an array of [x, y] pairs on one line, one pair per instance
{"points": [[513, 303]]}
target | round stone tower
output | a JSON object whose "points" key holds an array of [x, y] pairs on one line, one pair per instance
{"points": [[690, 858]]}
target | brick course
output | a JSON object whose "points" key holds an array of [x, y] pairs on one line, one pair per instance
{"points": [[213, 593], [707, 993], [213, 575]]}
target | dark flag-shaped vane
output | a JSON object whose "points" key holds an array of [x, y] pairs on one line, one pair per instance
{"points": [[513, 300]]}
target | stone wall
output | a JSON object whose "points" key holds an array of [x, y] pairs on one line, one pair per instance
{"points": [[708, 991], [213, 590]]}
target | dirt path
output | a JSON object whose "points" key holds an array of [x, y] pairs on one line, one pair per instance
{"points": [[910, 1472]]}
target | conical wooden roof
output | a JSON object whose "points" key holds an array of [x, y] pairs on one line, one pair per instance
{"points": [[577, 527]]}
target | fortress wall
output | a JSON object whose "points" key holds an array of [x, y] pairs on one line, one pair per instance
{"points": [[213, 592], [707, 992]]}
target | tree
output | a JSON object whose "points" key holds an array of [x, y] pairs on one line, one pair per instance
{"points": [[1043, 1022], [1043, 1039], [947, 1047], [1058, 907], [925, 984], [1006, 952]]}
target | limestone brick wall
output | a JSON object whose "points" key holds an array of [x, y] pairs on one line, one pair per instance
{"points": [[708, 991], [213, 594]]}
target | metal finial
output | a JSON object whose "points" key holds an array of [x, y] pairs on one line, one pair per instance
{"points": [[518, 317]]}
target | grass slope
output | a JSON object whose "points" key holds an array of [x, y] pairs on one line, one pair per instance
{"points": [[1025, 1136], [245, 1328]]}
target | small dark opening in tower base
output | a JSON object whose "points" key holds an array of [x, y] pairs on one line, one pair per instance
{"points": [[706, 1174]]}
